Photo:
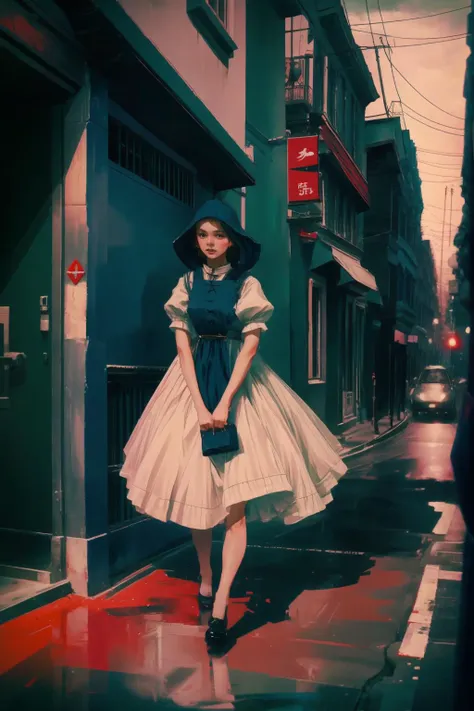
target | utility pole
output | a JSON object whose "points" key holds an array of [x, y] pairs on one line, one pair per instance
{"points": [[451, 216], [381, 79], [442, 258]]}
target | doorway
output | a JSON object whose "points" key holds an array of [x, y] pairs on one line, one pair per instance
{"points": [[30, 505]]}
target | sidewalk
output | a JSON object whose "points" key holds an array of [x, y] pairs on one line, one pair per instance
{"points": [[362, 435], [425, 681]]}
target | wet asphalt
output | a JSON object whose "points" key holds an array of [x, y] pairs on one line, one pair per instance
{"points": [[316, 611]]}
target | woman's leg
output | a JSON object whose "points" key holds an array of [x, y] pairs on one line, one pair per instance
{"points": [[233, 551], [202, 540]]}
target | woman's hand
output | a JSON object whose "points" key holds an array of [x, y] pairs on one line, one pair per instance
{"points": [[220, 415], [205, 419]]}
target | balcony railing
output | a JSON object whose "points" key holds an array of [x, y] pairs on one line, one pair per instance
{"points": [[299, 93], [129, 389], [297, 80]]}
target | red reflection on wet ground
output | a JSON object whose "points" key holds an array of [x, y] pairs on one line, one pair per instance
{"points": [[154, 627]]}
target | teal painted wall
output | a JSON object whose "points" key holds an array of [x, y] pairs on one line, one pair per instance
{"points": [[266, 202], [25, 275], [142, 269]]}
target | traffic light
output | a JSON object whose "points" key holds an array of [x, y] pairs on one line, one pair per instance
{"points": [[453, 342]]}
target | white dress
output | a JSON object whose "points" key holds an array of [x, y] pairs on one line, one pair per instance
{"points": [[288, 460]]}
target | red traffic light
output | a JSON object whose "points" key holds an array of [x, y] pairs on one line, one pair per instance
{"points": [[453, 342]]}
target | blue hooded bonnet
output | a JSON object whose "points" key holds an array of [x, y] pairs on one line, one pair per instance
{"points": [[185, 244]]}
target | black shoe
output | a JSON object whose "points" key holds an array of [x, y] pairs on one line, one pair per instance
{"points": [[216, 633], [205, 601]]}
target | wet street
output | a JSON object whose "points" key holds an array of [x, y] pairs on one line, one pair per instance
{"points": [[334, 613]]}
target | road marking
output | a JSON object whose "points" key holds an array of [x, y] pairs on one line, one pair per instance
{"points": [[415, 640], [450, 575], [447, 513]]}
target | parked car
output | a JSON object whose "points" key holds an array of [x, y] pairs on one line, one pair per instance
{"points": [[433, 393]]}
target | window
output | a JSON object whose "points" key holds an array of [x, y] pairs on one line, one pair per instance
{"points": [[212, 19], [342, 109], [316, 330], [434, 376], [332, 97], [220, 8], [352, 128], [132, 152]]}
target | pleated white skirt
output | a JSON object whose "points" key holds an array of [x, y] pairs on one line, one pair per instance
{"points": [[286, 467]]}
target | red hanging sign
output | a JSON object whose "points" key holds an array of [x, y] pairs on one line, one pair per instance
{"points": [[75, 272], [303, 175], [308, 236]]}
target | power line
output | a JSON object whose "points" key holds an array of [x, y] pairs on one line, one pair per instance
{"points": [[420, 17], [443, 180], [439, 153], [377, 58], [437, 175], [422, 95], [458, 35], [434, 128], [425, 44], [440, 208], [454, 128], [390, 64], [438, 165]]}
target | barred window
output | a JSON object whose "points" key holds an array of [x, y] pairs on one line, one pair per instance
{"points": [[220, 8], [132, 152]]}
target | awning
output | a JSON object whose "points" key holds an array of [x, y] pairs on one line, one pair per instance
{"points": [[352, 269]]}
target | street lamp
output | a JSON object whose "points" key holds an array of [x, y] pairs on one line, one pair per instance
{"points": [[435, 321], [468, 330]]}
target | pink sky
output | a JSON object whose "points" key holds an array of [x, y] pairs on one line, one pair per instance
{"points": [[436, 70]]}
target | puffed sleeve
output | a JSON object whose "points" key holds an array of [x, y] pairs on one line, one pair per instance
{"points": [[253, 307], [176, 308]]}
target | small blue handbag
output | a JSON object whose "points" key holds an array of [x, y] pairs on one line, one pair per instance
{"points": [[220, 441]]}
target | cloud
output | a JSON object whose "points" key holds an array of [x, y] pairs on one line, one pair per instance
{"points": [[412, 8]]}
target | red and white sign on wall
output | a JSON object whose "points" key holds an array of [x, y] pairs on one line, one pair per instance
{"points": [[75, 272], [303, 174]]}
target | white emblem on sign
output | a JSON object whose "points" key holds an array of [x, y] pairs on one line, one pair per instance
{"points": [[305, 154], [304, 189]]}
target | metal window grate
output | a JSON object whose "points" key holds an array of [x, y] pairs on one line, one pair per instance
{"points": [[130, 151], [128, 391]]}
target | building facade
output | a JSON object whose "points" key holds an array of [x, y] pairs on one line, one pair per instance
{"points": [[328, 87], [131, 131], [427, 312], [392, 236]]}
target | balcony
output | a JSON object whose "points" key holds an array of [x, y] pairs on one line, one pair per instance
{"points": [[298, 88], [299, 93]]}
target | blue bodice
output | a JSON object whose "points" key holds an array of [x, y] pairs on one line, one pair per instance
{"points": [[211, 306], [211, 309]]}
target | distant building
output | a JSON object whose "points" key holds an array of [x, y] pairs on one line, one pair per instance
{"points": [[392, 237], [328, 87], [427, 311]]}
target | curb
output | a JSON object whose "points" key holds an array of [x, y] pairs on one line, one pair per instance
{"points": [[366, 446]]}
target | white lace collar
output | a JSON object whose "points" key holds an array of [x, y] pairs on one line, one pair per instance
{"points": [[217, 272]]}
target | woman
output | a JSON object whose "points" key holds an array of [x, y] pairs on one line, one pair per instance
{"points": [[286, 461]]}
